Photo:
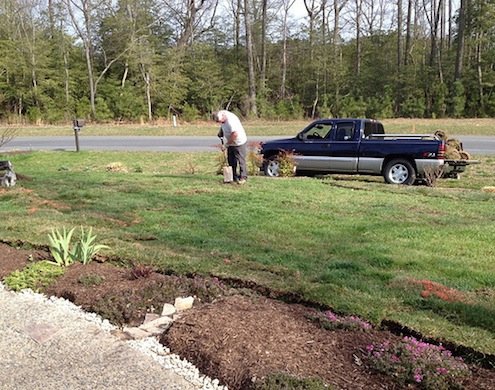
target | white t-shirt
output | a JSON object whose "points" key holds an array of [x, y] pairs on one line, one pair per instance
{"points": [[233, 125]]}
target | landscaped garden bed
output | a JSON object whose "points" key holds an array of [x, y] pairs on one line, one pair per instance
{"points": [[248, 340]]}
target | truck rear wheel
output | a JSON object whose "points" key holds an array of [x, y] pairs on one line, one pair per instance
{"points": [[399, 171]]}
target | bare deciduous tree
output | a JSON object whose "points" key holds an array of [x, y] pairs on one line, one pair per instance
{"points": [[286, 6], [84, 16], [358, 16], [252, 107], [409, 18], [190, 18], [460, 40]]}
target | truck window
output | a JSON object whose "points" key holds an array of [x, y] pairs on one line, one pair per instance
{"points": [[318, 131], [373, 128], [344, 131]]}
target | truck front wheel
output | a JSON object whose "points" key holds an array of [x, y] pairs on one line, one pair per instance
{"points": [[271, 166], [399, 172]]}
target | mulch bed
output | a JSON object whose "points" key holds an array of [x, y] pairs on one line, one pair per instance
{"points": [[236, 338], [243, 339]]}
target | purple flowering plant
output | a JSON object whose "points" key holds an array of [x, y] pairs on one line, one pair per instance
{"points": [[413, 361]]}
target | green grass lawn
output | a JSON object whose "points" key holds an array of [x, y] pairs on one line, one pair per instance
{"points": [[350, 242], [483, 126]]}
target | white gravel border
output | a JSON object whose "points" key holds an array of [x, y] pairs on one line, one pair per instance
{"points": [[149, 346]]}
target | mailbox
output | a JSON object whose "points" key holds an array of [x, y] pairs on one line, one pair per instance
{"points": [[78, 124]]}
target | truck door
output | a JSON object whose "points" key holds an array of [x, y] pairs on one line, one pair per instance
{"points": [[311, 153], [344, 147]]}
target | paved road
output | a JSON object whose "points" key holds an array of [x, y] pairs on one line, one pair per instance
{"points": [[475, 145], [131, 143]]}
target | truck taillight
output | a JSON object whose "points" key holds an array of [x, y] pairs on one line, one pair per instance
{"points": [[441, 151]]}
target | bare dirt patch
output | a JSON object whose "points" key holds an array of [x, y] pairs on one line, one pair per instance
{"points": [[239, 339], [12, 259]]}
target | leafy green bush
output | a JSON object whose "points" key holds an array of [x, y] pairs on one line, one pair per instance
{"points": [[190, 113], [413, 107], [288, 109], [103, 112], [35, 276], [457, 99], [353, 107]]}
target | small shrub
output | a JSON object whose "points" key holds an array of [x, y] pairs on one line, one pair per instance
{"points": [[221, 161], [204, 289], [35, 276], [141, 271], [331, 321], [254, 158], [287, 164], [279, 381], [131, 306], [412, 361], [191, 167], [91, 280], [432, 175]]}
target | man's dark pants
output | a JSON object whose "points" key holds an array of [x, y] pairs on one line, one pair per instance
{"points": [[236, 155]]}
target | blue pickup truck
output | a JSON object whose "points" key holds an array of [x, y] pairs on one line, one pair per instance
{"points": [[359, 146]]}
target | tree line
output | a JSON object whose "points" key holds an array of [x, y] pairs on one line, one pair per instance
{"points": [[131, 60]]}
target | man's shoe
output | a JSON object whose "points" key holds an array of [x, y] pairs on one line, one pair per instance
{"points": [[241, 181]]}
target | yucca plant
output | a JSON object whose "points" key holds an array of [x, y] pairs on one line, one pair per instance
{"points": [[60, 247], [86, 249]]}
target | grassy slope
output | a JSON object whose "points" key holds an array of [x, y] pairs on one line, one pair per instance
{"points": [[353, 243]]}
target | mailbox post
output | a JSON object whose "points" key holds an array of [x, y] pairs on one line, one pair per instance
{"points": [[77, 124]]}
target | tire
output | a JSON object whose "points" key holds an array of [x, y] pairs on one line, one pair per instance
{"points": [[399, 171], [271, 167]]}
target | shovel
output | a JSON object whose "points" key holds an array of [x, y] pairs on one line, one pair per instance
{"points": [[228, 175]]}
